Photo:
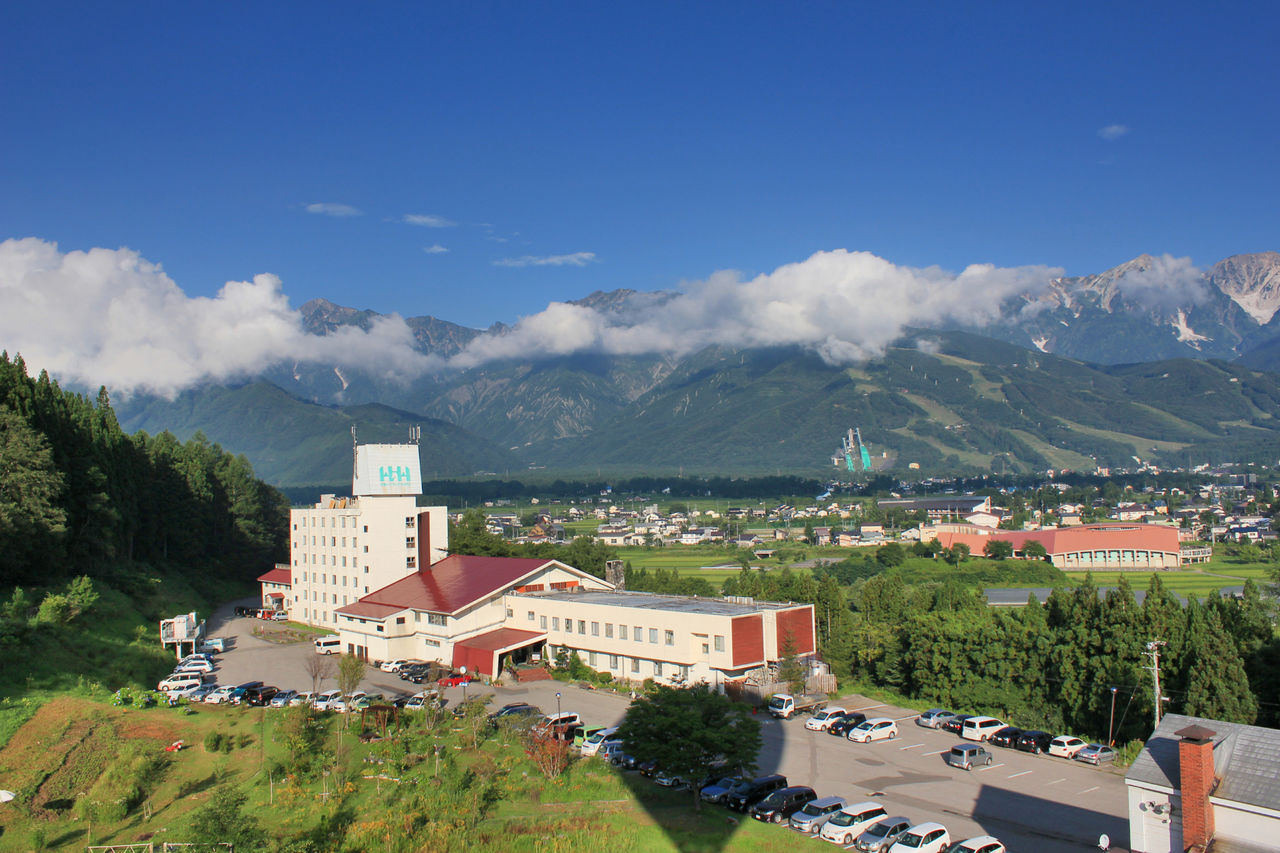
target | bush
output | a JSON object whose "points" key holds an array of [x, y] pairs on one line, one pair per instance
{"points": [[213, 741]]}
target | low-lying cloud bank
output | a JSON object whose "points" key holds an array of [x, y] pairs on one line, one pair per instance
{"points": [[109, 316]]}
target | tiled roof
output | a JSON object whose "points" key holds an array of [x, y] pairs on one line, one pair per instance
{"points": [[278, 575], [1063, 540], [453, 584], [1245, 758], [368, 610], [502, 639]]}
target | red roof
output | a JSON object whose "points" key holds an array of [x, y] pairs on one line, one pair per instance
{"points": [[369, 611], [278, 575], [501, 640], [451, 585], [1086, 537]]}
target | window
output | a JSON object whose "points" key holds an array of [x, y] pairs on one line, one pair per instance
{"points": [[437, 619], [635, 664], [653, 636], [511, 613], [555, 623], [719, 642], [622, 632], [670, 638], [399, 620], [355, 543], [613, 661], [366, 528], [410, 542], [638, 633], [608, 630], [542, 622], [595, 629], [323, 579], [417, 616], [706, 648], [657, 668], [435, 643], [530, 615], [410, 562], [591, 658], [409, 522]]}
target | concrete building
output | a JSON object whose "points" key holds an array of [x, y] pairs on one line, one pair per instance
{"points": [[1203, 784], [1077, 548]]}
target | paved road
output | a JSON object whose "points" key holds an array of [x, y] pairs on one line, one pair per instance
{"points": [[1031, 802]]}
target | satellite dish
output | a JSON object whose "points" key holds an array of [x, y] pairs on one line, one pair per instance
{"points": [[1104, 842], [462, 669], [6, 796]]}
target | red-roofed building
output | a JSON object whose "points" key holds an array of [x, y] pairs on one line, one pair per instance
{"points": [[276, 586], [1079, 547]]}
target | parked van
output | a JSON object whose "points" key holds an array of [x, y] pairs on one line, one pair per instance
{"points": [[214, 644], [596, 739], [180, 682], [328, 645], [980, 728]]}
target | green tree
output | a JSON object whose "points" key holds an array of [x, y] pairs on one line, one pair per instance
{"points": [[1217, 686], [224, 820], [956, 554], [1034, 550], [350, 673], [891, 555], [32, 519], [714, 731], [998, 549]]}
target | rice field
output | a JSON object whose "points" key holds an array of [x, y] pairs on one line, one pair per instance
{"points": [[1199, 581]]}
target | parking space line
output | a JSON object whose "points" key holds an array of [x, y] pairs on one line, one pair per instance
{"points": [[939, 752], [869, 707], [990, 767], [1056, 781], [1016, 775], [913, 746], [907, 717], [1087, 790]]}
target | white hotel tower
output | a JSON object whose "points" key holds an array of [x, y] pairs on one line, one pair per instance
{"points": [[344, 548]]}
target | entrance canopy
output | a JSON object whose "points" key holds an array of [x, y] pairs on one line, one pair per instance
{"points": [[481, 652]]}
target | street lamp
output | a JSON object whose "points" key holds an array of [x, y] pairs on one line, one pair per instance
{"points": [[557, 704]]}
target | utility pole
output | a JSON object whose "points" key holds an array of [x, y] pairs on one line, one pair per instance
{"points": [[1153, 651], [1111, 724]]}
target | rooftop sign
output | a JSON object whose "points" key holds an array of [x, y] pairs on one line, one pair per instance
{"points": [[387, 469]]}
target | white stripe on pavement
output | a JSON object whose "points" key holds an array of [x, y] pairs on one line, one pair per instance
{"points": [[1056, 781], [913, 746], [991, 767], [907, 717], [1087, 790], [1016, 775], [939, 752], [869, 707]]}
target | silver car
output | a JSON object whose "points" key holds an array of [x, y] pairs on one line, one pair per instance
{"points": [[817, 812], [882, 835]]}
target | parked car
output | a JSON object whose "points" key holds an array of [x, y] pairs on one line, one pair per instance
{"points": [[878, 728], [851, 720], [197, 694], [259, 696], [811, 818], [754, 791], [823, 718], [218, 696], [966, 756], [551, 722], [1096, 753], [1006, 737], [324, 701], [881, 835], [980, 728], [955, 723], [933, 718], [779, 806], [306, 698], [283, 699], [981, 844], [343, 704], [610, 749], [1066, 746], [850, 822], [366, 702], [716, 791], [241, 691], [280, 616], [395, 665], [515, 713], [591, 745], [454, 679], [1034, 741], [180, 682], [922, 838], [425, 699]]}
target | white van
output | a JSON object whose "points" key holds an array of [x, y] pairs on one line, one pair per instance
{"points": [[592, 744], [331, 645], [980, 728], [180, 682]]}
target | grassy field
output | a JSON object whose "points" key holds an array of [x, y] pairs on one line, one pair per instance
{"points": [[417, 789], [1195, 581]]}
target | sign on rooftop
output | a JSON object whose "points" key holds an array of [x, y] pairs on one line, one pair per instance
{"points": [[387, 469]]}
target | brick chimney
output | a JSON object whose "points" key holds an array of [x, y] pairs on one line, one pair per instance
{"points": [[1195, 769], [615, 573]]}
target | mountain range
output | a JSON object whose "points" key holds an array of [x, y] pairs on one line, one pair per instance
{"points": [[1093, 370]]}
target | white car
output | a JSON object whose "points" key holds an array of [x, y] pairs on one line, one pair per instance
{"points": [[981, 844], [878, 728], [324, 701], [1066, 746], [922, 838], [592, 744], [195, 665], [851, 821], [197, 694], [824, 718], [425, 699], [306, 698], [394, 665], [222, 694], [343, 704]]}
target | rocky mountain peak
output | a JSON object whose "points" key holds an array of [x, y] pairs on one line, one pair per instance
{"points": [[1251, 281]]}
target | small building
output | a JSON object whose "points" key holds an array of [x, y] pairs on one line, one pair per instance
{"points": [[1202, 784], [276, 585]]}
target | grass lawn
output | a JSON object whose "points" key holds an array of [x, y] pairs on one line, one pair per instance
{"points": [[1197, 581]]}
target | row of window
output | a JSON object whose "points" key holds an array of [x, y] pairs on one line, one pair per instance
{"points": [[322, 597], [340, 523], [331, 579], [333, 542], [637, 632], [636, 666]]}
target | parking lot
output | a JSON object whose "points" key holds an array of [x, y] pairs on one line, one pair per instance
{"points": [[1031, 802]]}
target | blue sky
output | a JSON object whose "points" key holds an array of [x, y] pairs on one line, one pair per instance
{"points": [[558, 148]]}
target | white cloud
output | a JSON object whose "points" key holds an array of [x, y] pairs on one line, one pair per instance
{"points": [[428, 220], [846, 306], [1168, 283], [437, 249], [577, 259], [327, 208], [1113, 131], [109, 316]]}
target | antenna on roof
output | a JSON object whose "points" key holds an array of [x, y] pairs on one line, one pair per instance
{"points": [[415, 434], [354, 453]]}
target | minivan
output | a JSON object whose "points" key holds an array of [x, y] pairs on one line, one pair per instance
{"points": [[180, 682], [966, 755], [811, 818], [755, 791], [779, 806], [596, 739], [328, 645], [851, 821], [980, 728]]}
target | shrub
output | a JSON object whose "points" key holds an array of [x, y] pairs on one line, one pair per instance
{"points": [[213, 741]]}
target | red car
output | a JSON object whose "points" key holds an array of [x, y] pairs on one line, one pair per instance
{"points": [[454, 680]]}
